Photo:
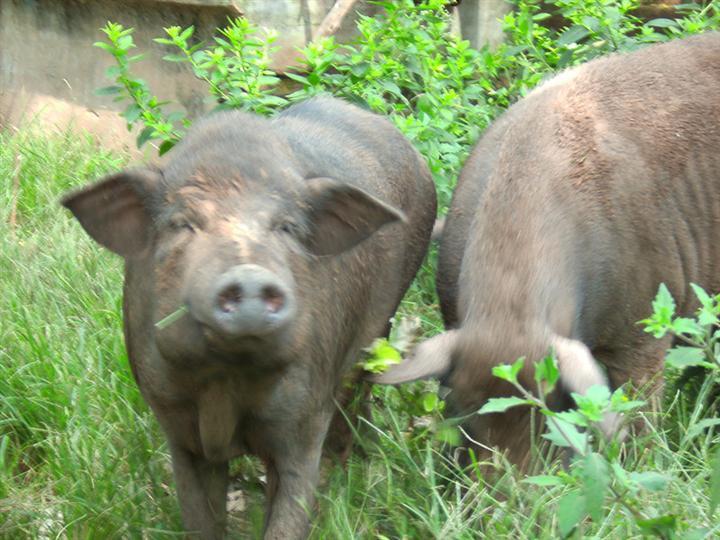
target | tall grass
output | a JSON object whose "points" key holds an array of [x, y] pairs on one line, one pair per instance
{"points": [[82, 457]]}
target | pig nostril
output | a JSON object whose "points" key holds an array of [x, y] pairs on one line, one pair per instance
{"points": [[230, 298], [274, 298]]}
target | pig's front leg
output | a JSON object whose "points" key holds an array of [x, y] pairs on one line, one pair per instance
{"points": [[293, 473], [202, 491]]}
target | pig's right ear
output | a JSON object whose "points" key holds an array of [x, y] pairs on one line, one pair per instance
{"points": [[431, 359], [341, 216], [114, 211]]}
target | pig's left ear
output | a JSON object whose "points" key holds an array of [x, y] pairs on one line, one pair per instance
{"points": [[341, 216], [115, 210]]}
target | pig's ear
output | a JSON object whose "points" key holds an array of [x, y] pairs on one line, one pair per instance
{"points": [[341, 216], [432, 358], [114, 211]]}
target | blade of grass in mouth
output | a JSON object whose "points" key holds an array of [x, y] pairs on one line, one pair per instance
{"points": [[174, 316]]}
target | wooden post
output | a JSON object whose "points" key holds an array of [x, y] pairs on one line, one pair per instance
{"points": [[334, 18], [480, 21]]}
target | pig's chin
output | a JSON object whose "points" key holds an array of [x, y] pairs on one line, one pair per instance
{"points": [[193, 344], [238, 347]]}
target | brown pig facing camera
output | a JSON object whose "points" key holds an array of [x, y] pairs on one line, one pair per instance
{"points": [[573, 208], [274, 250]]}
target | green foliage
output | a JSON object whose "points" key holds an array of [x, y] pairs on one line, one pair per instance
{"points": [[700, 336], [597, 480], [81, 454], [405, 64], [144, 107]]}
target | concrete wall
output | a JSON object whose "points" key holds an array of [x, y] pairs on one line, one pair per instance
{"points": [[49, 69]]}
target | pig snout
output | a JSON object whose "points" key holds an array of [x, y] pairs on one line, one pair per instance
{"points": [[247, 300]]}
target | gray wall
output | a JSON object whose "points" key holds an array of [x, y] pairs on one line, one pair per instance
{"points": [[49, 69]]}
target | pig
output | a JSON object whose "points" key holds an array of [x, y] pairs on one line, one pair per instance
{"points": [[578, 202], [271, 251]]}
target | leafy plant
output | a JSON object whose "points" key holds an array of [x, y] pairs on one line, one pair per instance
{"points": [[144, 107], [597, 479]]}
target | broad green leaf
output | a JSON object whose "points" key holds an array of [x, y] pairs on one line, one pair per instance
{"points": [[663, 526], [715, 483], [683, 325], [509, 372], [650, 480], [594, 402], [565, 435], [595, 476], [430, 402], [571, 509], [544, 480], [573, 417], [572, 35], [495, 405], [681, 357], [449, 434]]}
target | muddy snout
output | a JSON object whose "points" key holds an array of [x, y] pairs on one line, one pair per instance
{"points": [[246, 300]]}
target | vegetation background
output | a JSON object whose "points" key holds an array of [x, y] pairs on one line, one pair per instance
{"points": [[81, 455]]}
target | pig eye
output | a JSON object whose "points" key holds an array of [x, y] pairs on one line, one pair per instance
{"points": [[180, 223], [288, 227]]}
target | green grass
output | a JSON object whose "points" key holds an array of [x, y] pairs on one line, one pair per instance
{"points": [[81, 456]]}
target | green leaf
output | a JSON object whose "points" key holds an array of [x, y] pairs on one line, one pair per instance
{"points": [[572, 35], [663, 526], [594, 402], [509, 372], [108, 91], [449, 435], [145, 135], [382, 356], [175, 58], [430, 402], [681, 357], [663, 306], [544, 480], [104, 46], [697, 428], [683, 325], [662, 23], [571, 509], [595, 476], [495, 405], [650, 480], [546, 371], [565, 435], [573, 416], [715, 483], [619, 402], [165, 147], [705, 299]]}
